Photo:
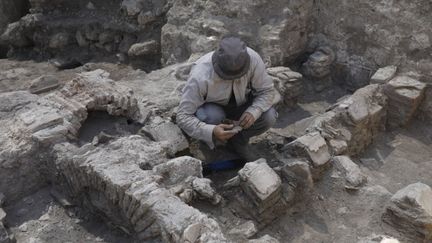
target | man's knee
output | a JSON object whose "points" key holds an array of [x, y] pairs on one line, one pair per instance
{"points": [[210, 113], [269, 118]]}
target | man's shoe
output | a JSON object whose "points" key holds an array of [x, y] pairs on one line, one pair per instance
{"points": [[242, 150]]}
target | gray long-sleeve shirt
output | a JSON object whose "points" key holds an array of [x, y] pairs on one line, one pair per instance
{"points": [[205, 86]]}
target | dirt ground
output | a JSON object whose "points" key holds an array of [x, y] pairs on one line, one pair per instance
{"points": [[329, 213], [40, 218]]}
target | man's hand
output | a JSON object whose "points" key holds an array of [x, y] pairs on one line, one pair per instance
{"points": [[246, 120], [223, 132]]}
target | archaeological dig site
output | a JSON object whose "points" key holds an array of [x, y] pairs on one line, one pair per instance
{"points": [[195, 121]]}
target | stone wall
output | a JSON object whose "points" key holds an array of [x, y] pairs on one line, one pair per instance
{"points": [[90, 30], [369, 34], [278, 30]]}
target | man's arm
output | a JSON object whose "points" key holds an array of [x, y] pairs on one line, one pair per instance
{"points": [[263, 89], [191, 100]]}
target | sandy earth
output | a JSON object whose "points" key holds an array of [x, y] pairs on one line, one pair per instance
{"points": [[39, 218], [329, 213]]}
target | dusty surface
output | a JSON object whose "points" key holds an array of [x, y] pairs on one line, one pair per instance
{"points": [[349, 160], [40, 218]]}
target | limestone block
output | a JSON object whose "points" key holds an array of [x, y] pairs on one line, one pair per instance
{"points": [[338, 146], [245, 230], [405, 95], [383, 75], [264, 239], [43, 84], [260, 183], [41, 118], [288, 83], [166, 131], [350, 170], [312, 146], [178, 169], [202, 186], [410, 211], [378, 239], [51, 135], [145, 48]]}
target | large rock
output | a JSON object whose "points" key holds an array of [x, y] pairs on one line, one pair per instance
{"points": [[195, 27], [383, 75], [312, 146], [405, 95], [410, 211], [178, 169], [260, 183], [166, 131], [350, 171]]}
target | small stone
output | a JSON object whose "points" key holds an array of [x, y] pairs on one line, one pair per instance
{"points": [[264, 239], [350, 170], [192, 233], [179, 169], [186, 196], [2, 215], [90, 6], [342, 210], [203, 188], [245, 230], [143, 49], [23, 227], [59, 40], [383, 75], [233, 182], [311, 145], [43, 84], [338, 146], [44, 217]]}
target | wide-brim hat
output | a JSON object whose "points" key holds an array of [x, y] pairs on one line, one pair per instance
{"points": [[231, 60]]}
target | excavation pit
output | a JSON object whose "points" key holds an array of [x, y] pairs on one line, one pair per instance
{"points": [[106, 126]]}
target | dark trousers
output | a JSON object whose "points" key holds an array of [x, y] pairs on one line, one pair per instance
{"points": [[212, 113]]}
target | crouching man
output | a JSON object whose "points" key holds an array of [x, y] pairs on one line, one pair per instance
{"points": [[229, 83]]}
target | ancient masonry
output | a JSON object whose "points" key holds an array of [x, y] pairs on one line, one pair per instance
{"points": [[148, 185], [137, 183]]}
